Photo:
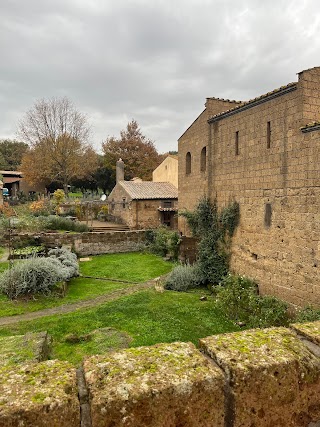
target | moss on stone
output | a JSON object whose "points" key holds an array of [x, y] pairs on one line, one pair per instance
{"points": [[47, 388], [22, 348], [166, 381], [310, 330]]}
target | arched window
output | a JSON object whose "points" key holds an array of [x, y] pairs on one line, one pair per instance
{"points": [[203, 159], [188, 163]]}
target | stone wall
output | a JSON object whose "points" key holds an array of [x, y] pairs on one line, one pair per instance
{"points": [[276, 182], [167, 171], [138, 214], [93, 243], [255, 378]]}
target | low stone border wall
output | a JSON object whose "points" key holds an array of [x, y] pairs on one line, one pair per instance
{"points": [[255, 378], [92, 243]]}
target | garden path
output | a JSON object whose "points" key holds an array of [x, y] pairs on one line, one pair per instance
{"points": [[69, 308]]}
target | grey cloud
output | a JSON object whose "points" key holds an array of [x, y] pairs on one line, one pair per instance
{"points": [[153, 61]]}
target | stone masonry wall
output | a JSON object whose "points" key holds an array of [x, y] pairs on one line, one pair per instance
{"points": [[137, 214], [254, 378], [277, 187], [94, 243], [192, 186]]}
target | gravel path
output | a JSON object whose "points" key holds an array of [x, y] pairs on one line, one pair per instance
{"points": [[69, 308]]}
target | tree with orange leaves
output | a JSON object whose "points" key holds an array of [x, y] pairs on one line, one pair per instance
{"points": [[136, 150], [57, 135]]}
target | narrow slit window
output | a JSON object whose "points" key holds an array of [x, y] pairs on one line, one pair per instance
{"points": [[203, 159], [188, 163], [237, 143], [268, 134], [267, 215]]}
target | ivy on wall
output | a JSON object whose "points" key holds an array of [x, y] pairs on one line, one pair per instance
{"points": [[214, 230]]}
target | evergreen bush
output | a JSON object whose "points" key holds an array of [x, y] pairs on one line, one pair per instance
{"points": [[182, 278], [39, 275], [238, 298], [214, 231], [307, 314], [55, 222], [30, 277], [162, 241], [68, 260]]}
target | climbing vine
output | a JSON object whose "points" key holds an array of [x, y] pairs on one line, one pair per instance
{"points": [[214, 230]]}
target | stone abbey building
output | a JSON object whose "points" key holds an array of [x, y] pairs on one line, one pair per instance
{"points": [[264, 154]]}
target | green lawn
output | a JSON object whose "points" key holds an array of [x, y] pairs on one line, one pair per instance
{"points": [[135, 267], [148, 317], [78, 289]]}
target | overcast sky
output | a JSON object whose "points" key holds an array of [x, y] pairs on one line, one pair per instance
{"points": [[152, 60]]}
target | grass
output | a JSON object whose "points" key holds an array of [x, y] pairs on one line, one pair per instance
{"points": [[78, 289], [134, 267], [148, 317]]}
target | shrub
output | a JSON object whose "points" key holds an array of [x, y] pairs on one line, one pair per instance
{"points": [[68, 260], [39, 275], [238, 298], [32, 276], [307, 314], [268, 311], [162, 241], [235, 295], [39, 207], [55, 222], [214, 231], [58, 198], [182, 278]]}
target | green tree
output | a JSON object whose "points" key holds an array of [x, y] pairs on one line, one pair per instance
{"points": [[135, 149], [11, 153]]}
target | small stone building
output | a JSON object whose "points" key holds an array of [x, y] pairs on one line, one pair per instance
{"points": [[167, 171], [143, 204], [15, 183], [265, 154]]}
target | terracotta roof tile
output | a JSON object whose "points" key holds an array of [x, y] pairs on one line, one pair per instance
{"points": [[225, 100], [150, 190], [252, 102]]}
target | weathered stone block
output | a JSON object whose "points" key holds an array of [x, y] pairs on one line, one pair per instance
{"points": [[39, 394], [165, 385], [21, 348], [274, 378], [309, 330]]}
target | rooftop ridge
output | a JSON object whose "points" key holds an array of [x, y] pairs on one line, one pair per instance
{"points": [[255, 101], [225, 100]]}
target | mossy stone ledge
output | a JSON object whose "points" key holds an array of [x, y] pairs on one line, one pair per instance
{"points": [[163, 385], [41, 394], [274, 377]]}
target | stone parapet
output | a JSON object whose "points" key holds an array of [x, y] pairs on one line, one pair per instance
{"points": [[254, 378]]}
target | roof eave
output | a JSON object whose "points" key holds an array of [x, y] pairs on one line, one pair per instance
{"points": [[254, 103]]}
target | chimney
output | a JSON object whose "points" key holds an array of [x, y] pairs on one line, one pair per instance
{"points": [[120, 171]]}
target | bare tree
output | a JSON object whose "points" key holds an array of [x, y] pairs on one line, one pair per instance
{"points": [[58, 138]]}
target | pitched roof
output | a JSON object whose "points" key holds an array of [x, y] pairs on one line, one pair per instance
{"points": [[255, 101], [225, 100], [150, 190]]}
